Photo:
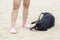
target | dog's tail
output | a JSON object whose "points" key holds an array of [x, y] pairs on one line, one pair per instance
{"points": [[40, 16]]}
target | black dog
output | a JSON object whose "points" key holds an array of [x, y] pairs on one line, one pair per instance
{"points": [[47, 21]]}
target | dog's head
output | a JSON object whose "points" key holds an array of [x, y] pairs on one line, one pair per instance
{"points": [[39, 27]]}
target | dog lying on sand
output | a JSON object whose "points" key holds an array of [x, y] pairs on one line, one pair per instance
{"points": [[43, 24]]}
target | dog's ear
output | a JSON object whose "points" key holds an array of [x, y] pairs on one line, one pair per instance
{"points": [[34, 22]]}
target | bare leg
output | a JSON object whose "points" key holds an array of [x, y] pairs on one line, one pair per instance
{"points": [[16, 5], [25, 10]]}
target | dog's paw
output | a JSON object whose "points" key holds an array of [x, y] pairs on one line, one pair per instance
{"points": [[32, 29]]}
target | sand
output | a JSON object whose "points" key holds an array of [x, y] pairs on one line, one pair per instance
{"points": [[36, 7]]}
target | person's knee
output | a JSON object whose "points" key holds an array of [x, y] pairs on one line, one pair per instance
{"points": [[16, 6], [26, 4]]}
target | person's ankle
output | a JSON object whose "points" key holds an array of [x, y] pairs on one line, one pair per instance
{"points": [[12, 27], [26, 25]]}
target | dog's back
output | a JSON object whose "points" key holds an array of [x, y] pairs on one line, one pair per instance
{"points": [[48, 18]]}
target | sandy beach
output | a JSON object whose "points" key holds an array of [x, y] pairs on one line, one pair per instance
{"points": [[36, 7]]}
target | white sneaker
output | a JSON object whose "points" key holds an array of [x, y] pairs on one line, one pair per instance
{"points": [[13, 30]]}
